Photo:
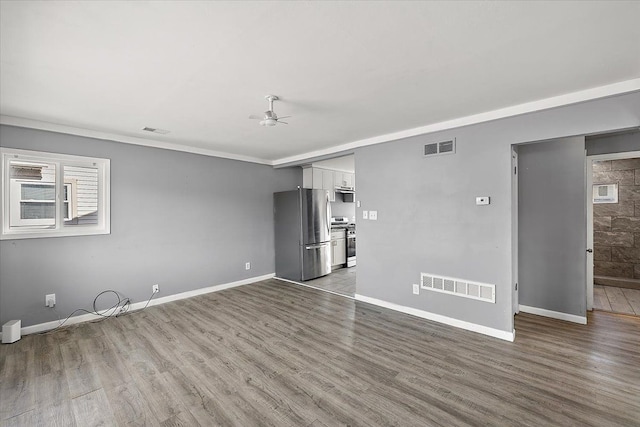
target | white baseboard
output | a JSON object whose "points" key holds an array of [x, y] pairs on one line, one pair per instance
{"points": [[41, 327], [201, 291], [473, 327], [554, 314]]}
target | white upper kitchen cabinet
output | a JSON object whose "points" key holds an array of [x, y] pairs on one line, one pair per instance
{"points": [[319, 179], [343, 179], [328, 184]]}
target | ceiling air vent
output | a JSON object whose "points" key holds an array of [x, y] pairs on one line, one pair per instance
{"points": [[155, 130], [436, 148]]}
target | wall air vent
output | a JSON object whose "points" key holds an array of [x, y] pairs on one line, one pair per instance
{"points": [[430, 149], [462, 288], [436, 148], [155, 130]]}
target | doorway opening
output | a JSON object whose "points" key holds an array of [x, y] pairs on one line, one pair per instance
{"points": [[576, 247], [613, 225], [338, 175], [548, 228]]}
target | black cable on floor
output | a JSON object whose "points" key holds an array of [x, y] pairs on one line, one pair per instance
{"points": [[120, 308]]}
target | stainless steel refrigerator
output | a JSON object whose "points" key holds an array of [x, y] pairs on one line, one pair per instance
{"points": [[302, 233]]}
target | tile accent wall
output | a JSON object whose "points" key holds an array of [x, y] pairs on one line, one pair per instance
{"points": [[616, 226]]}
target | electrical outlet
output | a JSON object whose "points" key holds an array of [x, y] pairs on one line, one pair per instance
{"points": [[373, 215], [50, 300], [247, 266], [483, 200], [416, 289], [155, 288]]}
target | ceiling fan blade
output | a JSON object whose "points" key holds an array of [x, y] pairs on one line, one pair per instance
{"points": [[284, 123], [283, 117], [254, 117]]}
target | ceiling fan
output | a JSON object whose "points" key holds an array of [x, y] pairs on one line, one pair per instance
{"points": [[270, 118]]}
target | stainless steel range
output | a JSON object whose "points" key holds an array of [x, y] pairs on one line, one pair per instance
{"points": [[339, 222], [351, 245]]}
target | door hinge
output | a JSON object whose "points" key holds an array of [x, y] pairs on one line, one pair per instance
{"points": [[516, 286]]}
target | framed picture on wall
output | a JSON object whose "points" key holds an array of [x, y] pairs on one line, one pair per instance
{"points": [[605, 193]]}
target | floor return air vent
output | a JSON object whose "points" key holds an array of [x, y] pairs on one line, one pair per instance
{"points": [[462, 288]]}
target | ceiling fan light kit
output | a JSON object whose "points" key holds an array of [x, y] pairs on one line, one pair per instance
{"points": [[269, 118]]}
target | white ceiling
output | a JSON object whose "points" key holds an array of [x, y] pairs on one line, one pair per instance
{"points": [[346, 71]]}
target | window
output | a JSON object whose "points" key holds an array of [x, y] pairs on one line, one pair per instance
{"points": [[48, 195]]}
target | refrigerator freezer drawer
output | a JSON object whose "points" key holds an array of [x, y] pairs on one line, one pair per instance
{"points": [[316, 260]]}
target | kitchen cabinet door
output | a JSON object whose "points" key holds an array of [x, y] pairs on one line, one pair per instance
{"points": [[307, 178], [343, 179], [347, 178], [318, 179], [327, 184], [339, 252], [338, 247]]}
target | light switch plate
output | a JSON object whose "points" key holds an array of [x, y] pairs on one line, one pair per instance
{"points": [[416, 289], [483, 200], [373, 215], [365, 214]]}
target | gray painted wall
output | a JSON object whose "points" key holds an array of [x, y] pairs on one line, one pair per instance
{"points": [[551, 220], [618, 143], [181, 220], [427, 218]]}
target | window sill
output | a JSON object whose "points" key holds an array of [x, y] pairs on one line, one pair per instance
{"points": [[50, 233]]}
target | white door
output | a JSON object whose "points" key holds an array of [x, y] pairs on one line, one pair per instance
{"points": [[552, 228]]}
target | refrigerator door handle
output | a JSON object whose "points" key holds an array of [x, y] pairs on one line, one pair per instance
{"points": [[321, 245], [328, 214]]}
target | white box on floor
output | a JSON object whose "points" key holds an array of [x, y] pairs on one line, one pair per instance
{"points": [[11, 331]]}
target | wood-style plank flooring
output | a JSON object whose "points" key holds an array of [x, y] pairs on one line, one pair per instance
{"points": [[617, 300], [278, 354], [341, 281]]}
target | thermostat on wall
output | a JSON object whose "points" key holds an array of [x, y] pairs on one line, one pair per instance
{"points": [[482, 200]]}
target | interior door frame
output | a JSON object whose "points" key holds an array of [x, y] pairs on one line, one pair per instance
{"points": [[589, 173], [514, 229]]}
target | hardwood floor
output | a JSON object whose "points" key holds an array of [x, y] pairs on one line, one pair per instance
{"points": [[341, 281], [279, 354], [617, 300]]}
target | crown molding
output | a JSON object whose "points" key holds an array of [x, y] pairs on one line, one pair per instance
{"points": [[71, 130], [614, 89]]}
